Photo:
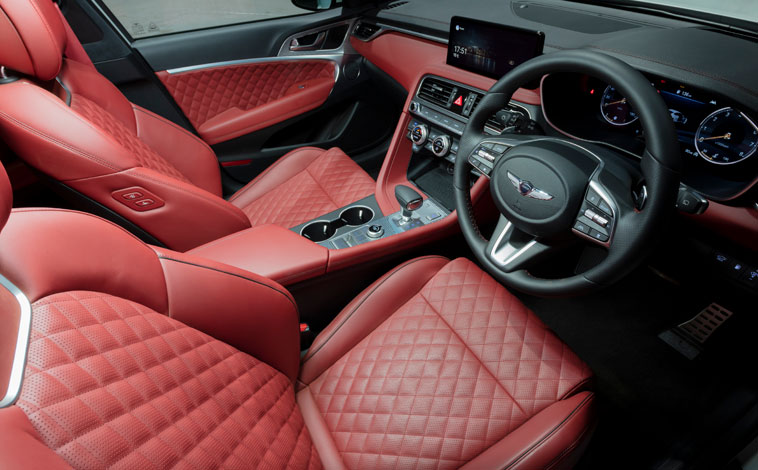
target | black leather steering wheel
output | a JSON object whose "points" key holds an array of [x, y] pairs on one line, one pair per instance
{"points": [[551, 190]]}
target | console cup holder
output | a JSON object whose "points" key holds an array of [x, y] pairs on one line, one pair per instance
{"points": [[323, 230], [319, 231], [357, 215]]}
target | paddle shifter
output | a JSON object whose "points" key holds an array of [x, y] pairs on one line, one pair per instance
{"points": [[409, 201]]}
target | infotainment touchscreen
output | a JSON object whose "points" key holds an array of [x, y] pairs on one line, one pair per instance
{"points": [[490, 49]]}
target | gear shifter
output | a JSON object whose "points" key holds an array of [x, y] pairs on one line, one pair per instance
{"points": [[409, 200]]}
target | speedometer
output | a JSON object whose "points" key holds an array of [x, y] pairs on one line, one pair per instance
{"points": [[615, 108], [726, 137]]}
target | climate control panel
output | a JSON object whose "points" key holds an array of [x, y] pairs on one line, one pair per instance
{"points": [[427, 136]]}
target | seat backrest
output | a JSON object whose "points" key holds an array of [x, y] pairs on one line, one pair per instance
{"points": [[116, 355], [65, 119]]}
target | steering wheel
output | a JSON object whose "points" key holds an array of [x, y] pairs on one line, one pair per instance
{"points": [[549, 190]]}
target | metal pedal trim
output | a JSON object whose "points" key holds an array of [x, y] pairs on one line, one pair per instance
{"points": [[705, 323]]}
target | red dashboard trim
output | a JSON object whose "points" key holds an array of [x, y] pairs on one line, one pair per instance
{"points": [[401, 56]]}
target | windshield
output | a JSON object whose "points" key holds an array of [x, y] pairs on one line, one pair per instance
{"points": [[745, 10]]}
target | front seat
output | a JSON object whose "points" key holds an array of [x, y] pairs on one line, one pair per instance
{"points": [[69, 122], [146, 358]]}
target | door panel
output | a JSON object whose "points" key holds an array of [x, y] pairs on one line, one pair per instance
{"points": [[255, 91], [225, 102]]}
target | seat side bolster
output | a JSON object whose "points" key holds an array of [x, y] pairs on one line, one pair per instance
{"points": [[185, 151], [252, 313], [550, 439], [21, 447], [190, 217], [366, 312]]}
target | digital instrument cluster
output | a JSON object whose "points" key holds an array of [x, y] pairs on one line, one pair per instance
{"points": [[717, 137]]}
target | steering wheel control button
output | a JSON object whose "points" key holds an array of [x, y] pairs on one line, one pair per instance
{"points": [[593, 197], [603, 206], [599, 236], [375, 231], [580, 226]]}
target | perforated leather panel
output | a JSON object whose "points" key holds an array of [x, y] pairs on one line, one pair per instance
{"points": [[113, 384], [454, 370], [332, 181], [203, 94]]}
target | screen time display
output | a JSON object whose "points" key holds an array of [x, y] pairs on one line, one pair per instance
{"points": [[490, 49]]}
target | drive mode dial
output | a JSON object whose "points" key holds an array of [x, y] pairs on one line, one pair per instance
{"points": [[441, 145], [419, 134]]}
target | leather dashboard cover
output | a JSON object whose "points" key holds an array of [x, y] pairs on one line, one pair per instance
{"points": [[230, 101]]}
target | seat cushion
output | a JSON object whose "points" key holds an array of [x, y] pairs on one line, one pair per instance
{"points": [[111, 383], [303, 185], [432, 366]]}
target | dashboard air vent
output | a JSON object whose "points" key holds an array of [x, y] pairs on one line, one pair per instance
{"points": [[364, 31], [436, 91], [394, 5]]}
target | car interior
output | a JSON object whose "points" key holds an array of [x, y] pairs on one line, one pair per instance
{"points": [[364, 234]]}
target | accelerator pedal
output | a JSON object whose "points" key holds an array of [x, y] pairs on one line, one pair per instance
{"points": [[689, 337]]}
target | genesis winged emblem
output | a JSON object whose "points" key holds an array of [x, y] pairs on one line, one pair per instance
{"points": [[527, 189]]}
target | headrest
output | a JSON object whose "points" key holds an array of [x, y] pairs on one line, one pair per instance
{"points": [[33, 37], [6, 197]]}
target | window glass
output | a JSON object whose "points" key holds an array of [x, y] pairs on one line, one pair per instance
{"points": [[145, 18]]}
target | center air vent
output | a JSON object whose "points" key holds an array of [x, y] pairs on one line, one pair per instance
{"points": [[436, 91], [365, 31]]}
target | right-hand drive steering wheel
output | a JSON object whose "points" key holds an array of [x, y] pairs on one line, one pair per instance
{"points": [[550, 189]]}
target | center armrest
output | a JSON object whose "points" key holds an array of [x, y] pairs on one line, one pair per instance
{"points": [[268, 250]]}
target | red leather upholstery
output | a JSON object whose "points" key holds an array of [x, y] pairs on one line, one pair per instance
{"points": [[6, 197], [119, 376], [268, 250], [33, 37], [436, 365], [102, 143], [144, 357], [222, 104], [303, 185]]}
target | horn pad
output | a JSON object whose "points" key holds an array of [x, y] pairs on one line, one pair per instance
{"points": [[539, 186]]}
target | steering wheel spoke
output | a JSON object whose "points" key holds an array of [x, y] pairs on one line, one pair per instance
{"points": [[598, 214], [512, 250], [490, 149]]}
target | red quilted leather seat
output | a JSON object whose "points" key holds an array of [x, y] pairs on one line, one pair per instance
{"points": [[152, 359], [80, 130]]}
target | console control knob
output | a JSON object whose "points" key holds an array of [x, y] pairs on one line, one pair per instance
{"points": [[413, 107], [441, 145], [419, 134], [375, 231]]}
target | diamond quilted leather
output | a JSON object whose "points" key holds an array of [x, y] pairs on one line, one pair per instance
{"points": [[113, 384], [205, 93], [145, 156], [457, 368], [331, 181]]}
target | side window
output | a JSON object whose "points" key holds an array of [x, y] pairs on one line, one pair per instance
{"points": [[146, 18]]}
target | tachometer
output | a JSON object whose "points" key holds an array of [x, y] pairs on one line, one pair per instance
{"points": [[615, 108], [726, 137]]}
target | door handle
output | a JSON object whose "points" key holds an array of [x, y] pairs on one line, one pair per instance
{"points": [[315, 45]]}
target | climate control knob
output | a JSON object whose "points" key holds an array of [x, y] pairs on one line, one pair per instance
{"points": [[419, 133], [441, 145]]}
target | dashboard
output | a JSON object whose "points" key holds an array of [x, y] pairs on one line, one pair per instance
{"points": [[718, 137]]}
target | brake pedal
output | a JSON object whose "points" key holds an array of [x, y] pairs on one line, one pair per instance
{"points": [[689, 337]]}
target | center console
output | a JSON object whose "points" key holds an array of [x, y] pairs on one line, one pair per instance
{"points": [[410, 207]]}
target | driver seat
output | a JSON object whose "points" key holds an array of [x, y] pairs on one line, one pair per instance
{"points": [[69, 122], [140, 357]]}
